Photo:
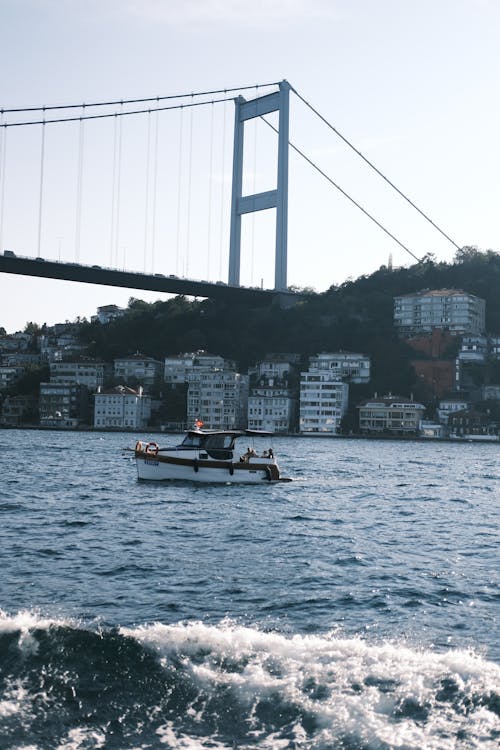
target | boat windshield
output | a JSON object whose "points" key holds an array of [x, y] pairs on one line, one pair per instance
{"points": [[192, 441]]}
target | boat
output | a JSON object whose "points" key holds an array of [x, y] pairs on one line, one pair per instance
{"points": [[207, 456]]}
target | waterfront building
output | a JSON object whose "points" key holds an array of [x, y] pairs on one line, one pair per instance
{"points": [[217, 397], [323, 397], [137, 368], [121, 407], [449, 406], [215, 393], [390, 414], [273, 402], [63, 401], [18, 410], [450, 309], [471, 424]]}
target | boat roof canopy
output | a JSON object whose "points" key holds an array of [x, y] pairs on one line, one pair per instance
{"points": [[233, 433]]}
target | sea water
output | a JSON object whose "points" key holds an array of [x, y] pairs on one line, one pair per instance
{"points": [[356, 607]]}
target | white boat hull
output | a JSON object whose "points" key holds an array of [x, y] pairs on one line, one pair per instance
{"points": [[190, 466]]}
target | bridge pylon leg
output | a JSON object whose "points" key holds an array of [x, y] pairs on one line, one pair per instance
{"points": [[277, 198]]}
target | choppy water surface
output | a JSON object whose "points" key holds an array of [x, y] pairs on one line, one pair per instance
{"points": [[356, 608]]}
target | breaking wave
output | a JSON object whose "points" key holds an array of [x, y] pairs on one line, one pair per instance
{"points": [[64, 686]]}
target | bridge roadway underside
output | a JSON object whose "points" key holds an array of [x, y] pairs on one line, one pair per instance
{"points": [[133, 280]]}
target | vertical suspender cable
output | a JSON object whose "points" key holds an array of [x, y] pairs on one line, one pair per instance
{"points": [[146, 201], [79, 191], [179, 185], [253, 189], [190, 163], [113, 191], [210, 183], [118, 188], [155, 191], [40, 199], [3, 162], [223, 178]]}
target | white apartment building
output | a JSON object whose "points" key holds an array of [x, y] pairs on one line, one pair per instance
{"points": [[272, 406], [348, 366], [144, 370], [451, 309], [122, 408], [323, 397], [219, 398], [178, 367], [90, 374], [390, 414], [217, 394], [271, 409]]}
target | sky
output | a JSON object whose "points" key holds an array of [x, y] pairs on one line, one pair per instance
{"points": [[413, 84]]}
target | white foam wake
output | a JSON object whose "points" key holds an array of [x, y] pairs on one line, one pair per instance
{"points": [[385, 694]]}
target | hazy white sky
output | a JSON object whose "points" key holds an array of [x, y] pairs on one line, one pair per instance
{"points": [[412, 83]]}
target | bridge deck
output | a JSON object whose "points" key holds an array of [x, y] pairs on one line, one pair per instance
{"points": [[50, 269]]}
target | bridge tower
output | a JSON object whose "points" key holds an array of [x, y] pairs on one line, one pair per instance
{"points": [[278, 198]]}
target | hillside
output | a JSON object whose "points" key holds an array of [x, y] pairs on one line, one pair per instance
{"points": [[356, 316]]}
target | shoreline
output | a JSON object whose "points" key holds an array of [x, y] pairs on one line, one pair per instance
{"points": [[314, 435]]}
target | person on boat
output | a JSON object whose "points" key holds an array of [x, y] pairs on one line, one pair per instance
{"points": [[248, 455]]}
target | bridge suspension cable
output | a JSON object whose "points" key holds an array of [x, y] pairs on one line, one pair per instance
{"points": [[205, 102], [370, 164], [4, 110], [346, 195]]}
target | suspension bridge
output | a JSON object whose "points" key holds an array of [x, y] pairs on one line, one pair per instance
{"points": [[113, 208]]}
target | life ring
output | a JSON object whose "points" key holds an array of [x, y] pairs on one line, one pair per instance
{"points": [[152, 449]]}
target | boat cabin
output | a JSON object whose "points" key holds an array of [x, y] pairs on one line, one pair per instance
{"points": [[218, 445]]}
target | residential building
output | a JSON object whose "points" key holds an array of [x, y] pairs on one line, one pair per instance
{"points": [[9, 374], [18, 410], [450, 309], [323, 397], [471, 424], [219, 398], [139, 369], [490, 392], [86, 372], [273, 398], [431, 430], [494, 349], [107, 313], [63, 401], [122, 407], [390, 414], [473, 349], [449, 406], [216, 393], [178, 367], [350, 367]]}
